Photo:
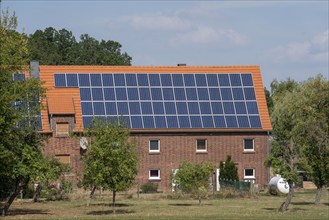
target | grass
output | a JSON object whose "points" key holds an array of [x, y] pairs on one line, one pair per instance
{"points": [[160, 206]]}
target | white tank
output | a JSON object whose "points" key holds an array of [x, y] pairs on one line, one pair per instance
{"points": [[277, 183]]}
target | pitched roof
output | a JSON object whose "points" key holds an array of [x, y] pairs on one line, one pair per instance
{"points": [[65, 97]]}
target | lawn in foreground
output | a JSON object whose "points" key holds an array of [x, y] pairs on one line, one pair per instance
{"points": [[158, 207]]}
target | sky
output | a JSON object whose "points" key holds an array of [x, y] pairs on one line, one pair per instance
{"points": [[286, 38]]}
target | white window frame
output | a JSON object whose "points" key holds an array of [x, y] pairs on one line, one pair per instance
{"points": [[155, 177], [154, 151], [253, 145], [206, 145], [249, 177]]}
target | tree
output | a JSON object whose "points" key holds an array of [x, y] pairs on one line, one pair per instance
{"points": [[312, 110], [228, 170], [21, 158], [300, 131], [111, 161], [284, 157], [193, 178], [52, 47]]}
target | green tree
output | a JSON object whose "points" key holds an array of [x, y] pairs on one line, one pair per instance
{"points": [[21, 158], [228, 170], [300, 132], [111, 161], [52, 47], [193, 178], [312, 111], [284, 157]]}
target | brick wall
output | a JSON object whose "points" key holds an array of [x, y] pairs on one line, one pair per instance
{"points": [[177, 147]]}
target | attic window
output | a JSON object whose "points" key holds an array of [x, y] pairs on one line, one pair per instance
{"points": [[62, 129]]}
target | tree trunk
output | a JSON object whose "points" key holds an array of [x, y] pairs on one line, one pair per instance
{"points": [[113, 201], [11, 198], [318, 195], [37, 193], [91, 195], [285, 204]]}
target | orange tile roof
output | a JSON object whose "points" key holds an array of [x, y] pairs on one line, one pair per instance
{"points": [[59, 95], [60, 103]]}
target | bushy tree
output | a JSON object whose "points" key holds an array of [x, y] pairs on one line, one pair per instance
{"points": [[52, 47], [21, 158], [300, 132], [111, 161], [193, 178], [228, 170], [312, 112]]}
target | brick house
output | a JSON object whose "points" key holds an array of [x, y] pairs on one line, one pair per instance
{"points": [[195, 113]]}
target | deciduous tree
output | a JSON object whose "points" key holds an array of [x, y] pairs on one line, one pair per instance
{"points": [[111, 161], [193, 178]]}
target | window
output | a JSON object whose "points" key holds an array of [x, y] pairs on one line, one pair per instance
{"points": [[201, 145], [249, 173], [154, 174], [248, 145], [65, 159], [62, 129], [154, 146]]}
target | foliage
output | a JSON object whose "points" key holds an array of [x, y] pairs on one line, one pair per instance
{"points": [[149, 187], [300, 130], [21, 158], [228, 170], [52, 47], [111, 161], [193, 178]]}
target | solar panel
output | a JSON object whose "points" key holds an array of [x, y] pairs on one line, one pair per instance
{"points": [[107, 79], [167, 100], [85, 94], [95, 79], [72, 80], [109, 93], [19, 77], [60, 80], [99, 108], [84, 80], [166, 79], [235, 79], [158, 108], [189, 79], [131, 80], [200, 80], [154, 79], [247, 80], [97, 94]]}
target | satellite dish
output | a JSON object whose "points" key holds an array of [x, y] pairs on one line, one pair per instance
{"points": [[277, 183], [83, 143]]}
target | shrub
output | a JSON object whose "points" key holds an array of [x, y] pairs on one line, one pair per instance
{"points": [[149, 187]]}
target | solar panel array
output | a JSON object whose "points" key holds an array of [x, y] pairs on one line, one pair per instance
{"points": [[167, 100], [22, 106]]}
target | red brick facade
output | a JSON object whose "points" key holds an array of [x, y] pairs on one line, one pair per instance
{"points": [[174, 148]]}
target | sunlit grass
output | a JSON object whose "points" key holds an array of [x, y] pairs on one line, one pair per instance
{"points": [[159, 206]]}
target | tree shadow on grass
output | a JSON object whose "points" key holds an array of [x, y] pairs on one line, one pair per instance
{"points": [[108, 212], [15, 211], [271, 209], [180, 204], [110, 204], [302, 203]]}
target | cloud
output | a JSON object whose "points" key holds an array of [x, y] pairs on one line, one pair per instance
{"points": [[158, 22], [203, 34], [314, 49]]}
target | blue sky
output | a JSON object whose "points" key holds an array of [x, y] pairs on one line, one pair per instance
{"points": [[286, 38]]}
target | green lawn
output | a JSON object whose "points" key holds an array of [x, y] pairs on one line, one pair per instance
{"points": [[158, 206]]}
